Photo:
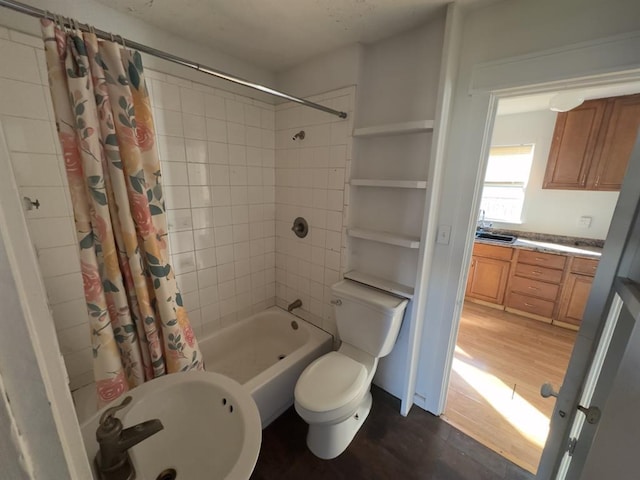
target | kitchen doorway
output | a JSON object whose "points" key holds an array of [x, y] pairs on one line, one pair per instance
{"points": [[524, 300]]}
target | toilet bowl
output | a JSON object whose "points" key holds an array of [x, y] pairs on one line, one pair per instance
{"points": [[333, 393]]}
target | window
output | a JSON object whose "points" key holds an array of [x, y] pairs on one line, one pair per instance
{"points": [[505, 182]]}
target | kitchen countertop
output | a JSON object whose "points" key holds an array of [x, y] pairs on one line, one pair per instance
{"points": [[549, 247]]}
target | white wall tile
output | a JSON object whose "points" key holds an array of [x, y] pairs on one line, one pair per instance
{"points": [[171, 149], [205, 258], [192, 101], [69, 314], [181, 242], [200, 196], [166, 95], [194, 126], [237, 155], [63, 288], [235, 111], [22, 99], [19, 62], [174, 173], [214, 107], [216, 130], [203, 238], [35, 170], [183, 262], [187, 282], [198, 174], [202, 217], [177, 197], [52, 232], [28, 135], [53, 202], [236, 134], [179, 220], [196, 151]]}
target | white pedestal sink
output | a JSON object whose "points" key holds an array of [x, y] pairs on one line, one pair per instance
{"points": [[212, 428]]}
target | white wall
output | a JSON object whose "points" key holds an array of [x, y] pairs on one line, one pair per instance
{"points": [[494, 33], [310, 183], [217, 155], [331, 71], [397, 81], [27, 404], [547, 210], [107, 19]]}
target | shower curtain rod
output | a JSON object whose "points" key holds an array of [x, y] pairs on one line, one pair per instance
{"points": [[70, 23]]}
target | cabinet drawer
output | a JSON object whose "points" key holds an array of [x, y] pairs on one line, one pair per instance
{"points": [[585, 266], [538, 273], [535, 288], [544, 308], [548, 260], [492, 251]]}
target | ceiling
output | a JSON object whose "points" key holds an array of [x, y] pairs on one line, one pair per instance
{"points": [[277, 34]]}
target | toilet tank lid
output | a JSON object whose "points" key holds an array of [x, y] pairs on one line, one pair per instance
{"points": [[363, 293]]}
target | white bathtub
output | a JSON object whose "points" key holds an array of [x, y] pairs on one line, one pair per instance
{"points": [[267, 355]]}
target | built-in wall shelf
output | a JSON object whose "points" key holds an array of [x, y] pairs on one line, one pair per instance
{"points": [[385, 237], [370, 182], [400, 128], [381, 283]]}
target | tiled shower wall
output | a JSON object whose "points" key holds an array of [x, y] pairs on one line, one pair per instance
{"points": [[217, 152], [312, 182]]}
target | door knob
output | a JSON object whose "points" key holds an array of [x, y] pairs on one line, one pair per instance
{"points": [[546, 390]]}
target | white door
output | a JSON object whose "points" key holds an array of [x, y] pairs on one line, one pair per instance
{"points": [[610, 315]]}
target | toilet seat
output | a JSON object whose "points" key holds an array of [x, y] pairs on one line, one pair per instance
{"points": [[329, 387]]}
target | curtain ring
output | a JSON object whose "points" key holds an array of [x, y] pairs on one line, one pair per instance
{"points": [[124, 45], [92, 29], [111, 36], [47, 15]]}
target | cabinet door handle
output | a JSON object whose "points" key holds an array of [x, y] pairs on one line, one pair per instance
{"points": [[536, 272], [539, 259], [529, 304], [533, 288]]}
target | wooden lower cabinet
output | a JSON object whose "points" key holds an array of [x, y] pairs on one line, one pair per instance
{"points": [[550, 287], [574, 298], [488, 279]]}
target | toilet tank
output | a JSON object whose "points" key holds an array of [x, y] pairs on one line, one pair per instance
{"points": [[367, 318]]}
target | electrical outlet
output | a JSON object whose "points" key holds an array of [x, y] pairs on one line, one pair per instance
{"points": [[444, 233], [584, 222]]}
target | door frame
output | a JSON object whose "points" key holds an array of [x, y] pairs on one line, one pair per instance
{"points": [[523, 75]]}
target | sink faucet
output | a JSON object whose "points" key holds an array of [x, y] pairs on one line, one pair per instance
{"points": [[296, 304], [112, 460], [481, 224]]}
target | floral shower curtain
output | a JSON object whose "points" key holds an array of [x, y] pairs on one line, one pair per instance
{"points": [[139, 327]]}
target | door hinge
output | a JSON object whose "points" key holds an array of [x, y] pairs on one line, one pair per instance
{"points": [[572, 446]]}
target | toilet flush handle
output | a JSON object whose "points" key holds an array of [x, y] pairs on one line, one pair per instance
{"points": [[337, 302]]}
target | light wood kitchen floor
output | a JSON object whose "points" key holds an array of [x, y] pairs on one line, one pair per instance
{"points": [[501, 360]]}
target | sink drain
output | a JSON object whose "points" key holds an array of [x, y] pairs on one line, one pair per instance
{"points": [[281, 356], [168, 474]]}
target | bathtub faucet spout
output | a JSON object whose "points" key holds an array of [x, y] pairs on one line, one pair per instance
{"points": [[296, 304]]}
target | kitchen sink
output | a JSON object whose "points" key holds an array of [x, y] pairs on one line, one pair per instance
{"points": [[495, 237]]}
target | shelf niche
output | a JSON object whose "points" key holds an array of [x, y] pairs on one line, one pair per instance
{"points": [[400, 128]]}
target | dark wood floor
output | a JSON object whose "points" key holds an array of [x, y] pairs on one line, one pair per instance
{"points": [[388, 446]]}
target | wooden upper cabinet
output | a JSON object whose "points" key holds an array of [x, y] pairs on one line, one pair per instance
{"points": [[619, 131], [573, 146], [592, 144]]}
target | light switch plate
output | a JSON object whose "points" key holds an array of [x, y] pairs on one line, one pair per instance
{"points": [[444, 234]]}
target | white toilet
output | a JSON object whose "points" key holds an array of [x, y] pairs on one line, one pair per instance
{"points": [[333, 393]]}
